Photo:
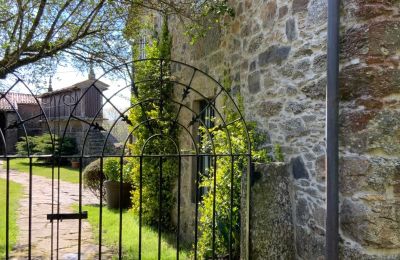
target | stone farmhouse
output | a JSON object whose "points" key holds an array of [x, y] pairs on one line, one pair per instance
{"points": [[274, 53], [74, 109]]}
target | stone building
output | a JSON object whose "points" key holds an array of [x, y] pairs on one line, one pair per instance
{"points": [[27, 107], [274, 52], [77, 110]]}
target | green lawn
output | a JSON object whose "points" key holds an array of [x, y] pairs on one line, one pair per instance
{"points": [[66, 173], [15, 194], [130, 233]]}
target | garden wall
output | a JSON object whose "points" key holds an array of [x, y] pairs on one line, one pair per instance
{"points": [[274, 53], [271, 226]]}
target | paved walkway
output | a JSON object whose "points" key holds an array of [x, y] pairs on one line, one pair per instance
{"points": [[41, 227]]}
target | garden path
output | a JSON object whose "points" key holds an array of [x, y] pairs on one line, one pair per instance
{"points": [[42, 228]]}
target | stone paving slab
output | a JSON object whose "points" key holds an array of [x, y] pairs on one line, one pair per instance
{"points": [[42, 228]]}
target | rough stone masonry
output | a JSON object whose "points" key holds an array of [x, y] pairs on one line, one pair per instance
{"points": [[275, 54]]}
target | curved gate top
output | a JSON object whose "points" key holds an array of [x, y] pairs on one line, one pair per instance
{"points": [[175, 153]]}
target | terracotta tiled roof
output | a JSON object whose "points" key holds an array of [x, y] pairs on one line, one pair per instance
{"points": [[15, 99]]}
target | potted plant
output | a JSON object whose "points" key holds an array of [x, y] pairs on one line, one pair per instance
{"points": [[113, 186], [75, 164]]}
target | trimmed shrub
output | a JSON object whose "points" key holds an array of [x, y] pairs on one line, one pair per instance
{"points": [[43, 145], [92, 178]]}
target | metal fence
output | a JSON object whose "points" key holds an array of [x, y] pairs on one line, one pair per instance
{"points": [[211, 150]]}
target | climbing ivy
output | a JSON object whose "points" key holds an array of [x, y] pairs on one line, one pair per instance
{"points": [[153, 116], [228, 181]]}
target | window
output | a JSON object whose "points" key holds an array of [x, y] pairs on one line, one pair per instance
{"points": [[205, 162], [206, 115], [142, 48]]}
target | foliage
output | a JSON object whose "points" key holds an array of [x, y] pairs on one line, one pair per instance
{"points": [[130, 241], [32, 32], [92, 174], [278, 153], [207, 15], [92, 177], [15, 194], [66, 173], [196, 17], [43, 145], [37, 36], [157, 90], [228, 181], [112, 169]]}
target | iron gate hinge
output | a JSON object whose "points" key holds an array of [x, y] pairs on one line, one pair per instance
{"points": [[62, 216]]}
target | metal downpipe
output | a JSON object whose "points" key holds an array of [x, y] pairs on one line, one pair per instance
{"points": [[332, 141]]}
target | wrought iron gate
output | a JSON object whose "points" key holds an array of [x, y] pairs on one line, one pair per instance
{"points": [[186, 110]]}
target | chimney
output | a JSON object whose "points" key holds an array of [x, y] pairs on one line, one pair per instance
{"points": [[92, 76], [50, 88]]}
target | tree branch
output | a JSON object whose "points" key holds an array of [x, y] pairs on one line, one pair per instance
{"points": [[53, 25], [35, 24]]}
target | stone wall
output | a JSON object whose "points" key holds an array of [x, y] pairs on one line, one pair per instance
{"points": [[370, 139], [271, 227], [26, 112], [274, 52]]}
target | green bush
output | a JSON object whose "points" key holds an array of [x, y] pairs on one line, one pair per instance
{"points": [[112, 170], [43, 145], [92, 177], [92, 174], [228, 180]]}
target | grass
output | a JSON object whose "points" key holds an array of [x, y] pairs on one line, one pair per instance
{"points": [[15, 194], [66, 173], [130, 232]]}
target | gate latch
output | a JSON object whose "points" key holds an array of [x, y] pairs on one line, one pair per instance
{"points": [[62, 216]]}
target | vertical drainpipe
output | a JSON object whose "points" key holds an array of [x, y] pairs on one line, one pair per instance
{"points": [[332, 146]]}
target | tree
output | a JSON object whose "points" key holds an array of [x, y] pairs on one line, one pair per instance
{"points": [[197, 16], [38, 35], [33, 31]]}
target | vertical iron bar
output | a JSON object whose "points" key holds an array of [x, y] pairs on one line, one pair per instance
{"points": [[196, 221], [248, 202], [58, 208], [140, 204], [214, 205], [160, 207], [57, 130], [231, 208], [80, 208], [121, 163], [179, 208], [7, 206], [30, 210], [52, 208], [101, 206], [332, 146]]}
